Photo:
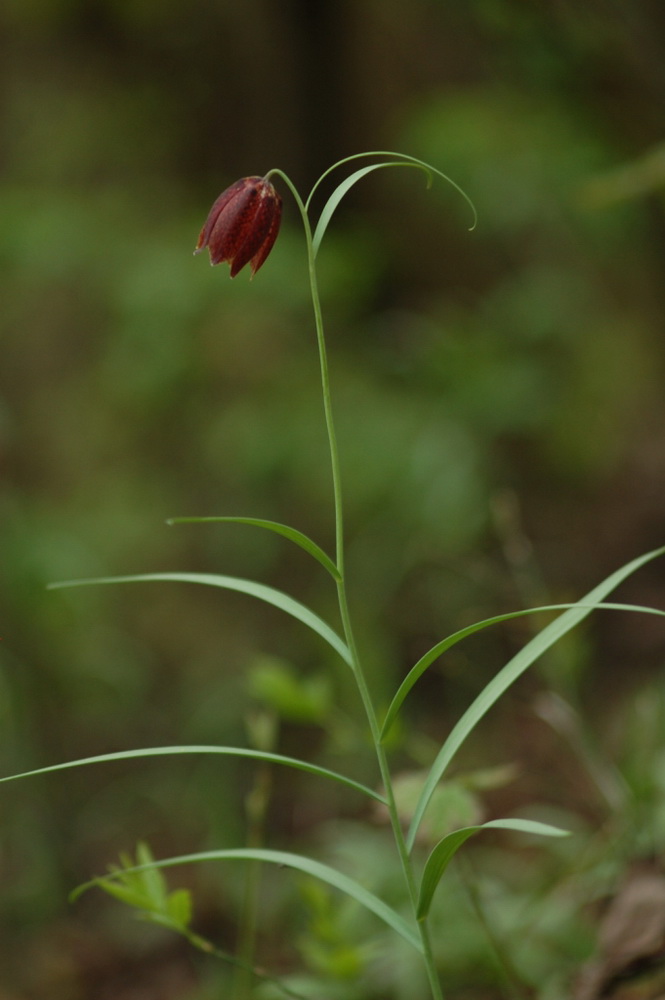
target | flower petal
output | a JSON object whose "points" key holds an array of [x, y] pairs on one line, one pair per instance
{"points": [[214, 213], [259, 258], [234, 224], [259, 231]]}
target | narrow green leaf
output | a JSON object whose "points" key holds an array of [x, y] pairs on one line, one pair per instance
{"points": [[510, 673], [446, 849], [268, 594], [401, 158], [274, 758], [316, 869], [445, 644], [343, 188], [280, 529]]}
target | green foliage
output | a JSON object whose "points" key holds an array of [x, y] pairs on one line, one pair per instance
{"points": [[293, 698], [453, 804], [146, 891], [328, 945]]}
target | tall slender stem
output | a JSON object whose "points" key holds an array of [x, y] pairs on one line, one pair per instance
{"points": [[325, 377], [256, 809], [361, 681], [386, 777], [330, 423], [368, 705]]}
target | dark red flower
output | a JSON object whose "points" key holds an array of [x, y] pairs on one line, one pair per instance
{"points": [[242, 225]]}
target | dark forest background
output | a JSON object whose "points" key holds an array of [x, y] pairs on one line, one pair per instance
{"points": [[501, 417]]}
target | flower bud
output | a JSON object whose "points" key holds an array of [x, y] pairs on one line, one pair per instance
{"points": [[242, 225]]}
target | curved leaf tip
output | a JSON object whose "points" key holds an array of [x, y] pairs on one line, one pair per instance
{"points": [[445, 850], [394, 160]]}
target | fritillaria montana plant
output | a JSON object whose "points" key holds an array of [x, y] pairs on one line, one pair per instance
{"points": [[241, 229]]}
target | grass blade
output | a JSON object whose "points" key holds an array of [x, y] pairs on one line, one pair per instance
{"points": [[268, 594], [272, 758], [446, 849], [316, 869], [510, 673], [445, 644], [292, 534]]}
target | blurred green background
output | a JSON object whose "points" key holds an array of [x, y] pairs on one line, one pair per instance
{"points": [[501, 415]]}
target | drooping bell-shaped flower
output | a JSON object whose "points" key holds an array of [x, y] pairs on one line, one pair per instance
{"points": [[242, 225]]}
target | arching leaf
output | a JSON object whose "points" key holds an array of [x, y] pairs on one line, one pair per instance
{"points": [[272, 758], [396, 160], [280, 529], [316, 869], [446, 849], [510, 673], [268, 594], [445, 644], [342, 189]]}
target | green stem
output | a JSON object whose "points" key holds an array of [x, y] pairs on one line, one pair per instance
{"points": [[363, 689], [386, 778], [256, 807], [325, 377], [208, 948]]}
